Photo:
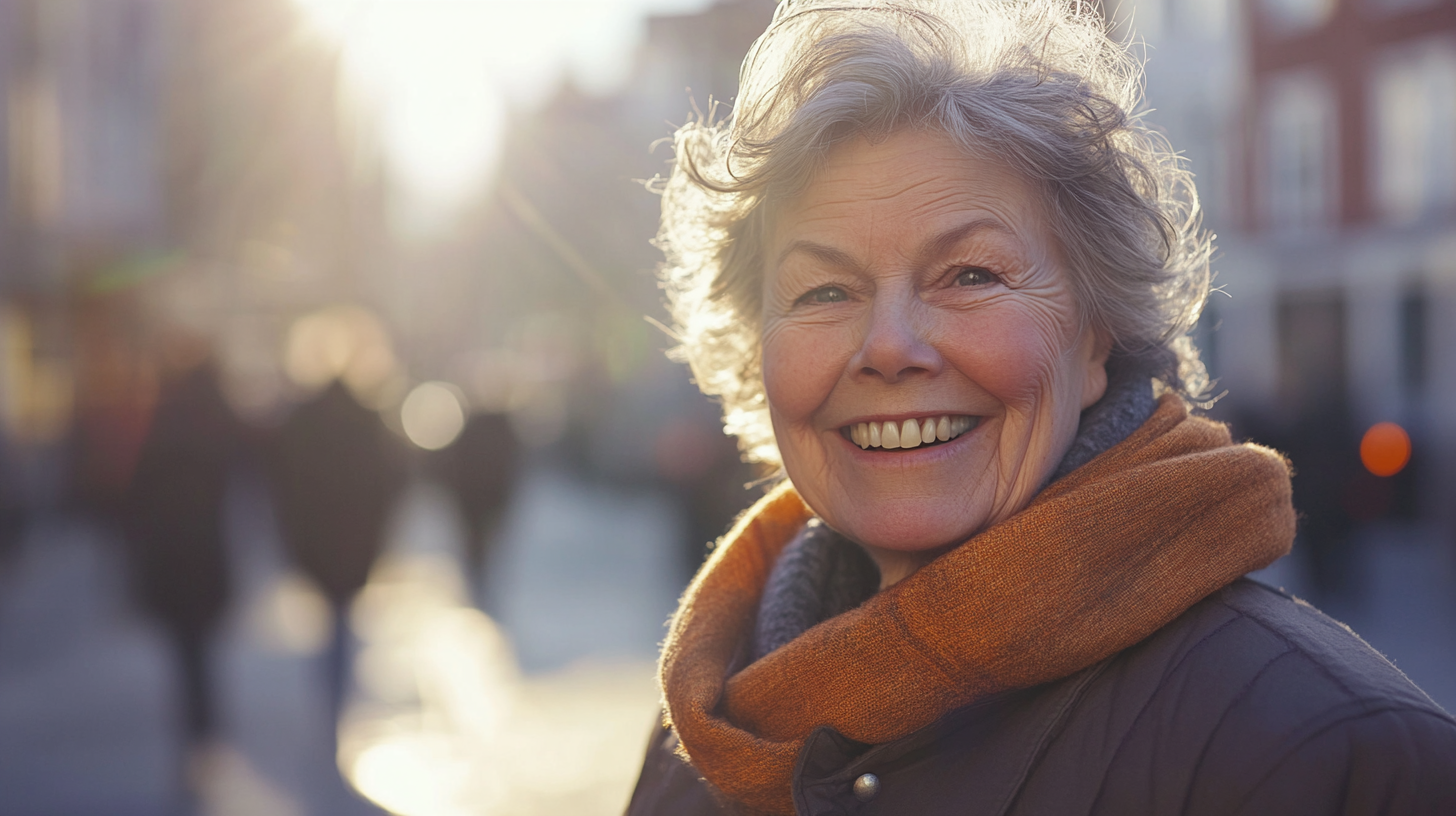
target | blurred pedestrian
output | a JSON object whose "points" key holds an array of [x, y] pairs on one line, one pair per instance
{"points": [[172, 519], [1324, 448], [13, 504], [481, 469], [335, 472], [114, 397], [701, 467]]}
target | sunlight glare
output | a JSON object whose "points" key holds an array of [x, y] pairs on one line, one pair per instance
{"points": [[441, 73], [418, 774], [426, 68], [456, 730]]}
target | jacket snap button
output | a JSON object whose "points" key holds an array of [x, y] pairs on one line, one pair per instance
{"points": [[866, 787]]}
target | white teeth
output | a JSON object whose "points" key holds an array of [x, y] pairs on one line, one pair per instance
{"points": [[910, 433], [890, 436]]}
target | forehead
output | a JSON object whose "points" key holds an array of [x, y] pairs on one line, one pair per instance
{"points": [[911, 184]]}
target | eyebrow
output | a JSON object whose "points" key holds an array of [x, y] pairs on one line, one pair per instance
{"points": [[936, 245], [822, 252], [946, 241]]}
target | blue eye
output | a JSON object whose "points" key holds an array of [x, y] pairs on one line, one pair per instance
{"points": [[974, 276], [824, 294]]}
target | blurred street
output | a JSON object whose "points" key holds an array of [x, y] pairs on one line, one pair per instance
{"points": [[551, 709], [88, 711]]}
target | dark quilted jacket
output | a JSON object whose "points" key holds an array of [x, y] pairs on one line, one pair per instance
{"points": [[1249, 703]]}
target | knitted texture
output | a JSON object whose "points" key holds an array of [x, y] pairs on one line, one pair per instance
{"points": [[1126, 405], [1101, 559], [819, 575]]}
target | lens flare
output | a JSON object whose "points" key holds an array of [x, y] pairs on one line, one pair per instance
{"points": [[1385, 449], [433, 415]]}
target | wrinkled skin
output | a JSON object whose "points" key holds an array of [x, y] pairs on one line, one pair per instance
{"points": [[909, 280]]}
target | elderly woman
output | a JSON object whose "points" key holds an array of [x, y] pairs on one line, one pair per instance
{"points": [[934, 268]]}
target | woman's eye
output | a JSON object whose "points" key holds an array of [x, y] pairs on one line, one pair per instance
{"points": [[824, 294], [974, 276]]}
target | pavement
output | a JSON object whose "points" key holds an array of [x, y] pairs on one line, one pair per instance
{"points": [[541, 707], [583, 586]]}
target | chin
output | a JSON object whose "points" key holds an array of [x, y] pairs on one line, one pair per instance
{"points": [[904, 531]]}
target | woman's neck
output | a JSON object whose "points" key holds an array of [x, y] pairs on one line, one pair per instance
{"points": [[897, 565]]}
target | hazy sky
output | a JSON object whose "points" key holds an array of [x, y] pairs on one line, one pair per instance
{"points": [[440, 73]]}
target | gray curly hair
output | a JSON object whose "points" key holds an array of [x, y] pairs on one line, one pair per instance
{"points": [[1036, 84]]}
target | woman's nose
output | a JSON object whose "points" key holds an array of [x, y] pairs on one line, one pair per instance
{"points": [[895, 344]]}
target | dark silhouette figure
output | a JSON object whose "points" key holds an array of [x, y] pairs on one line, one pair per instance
{"points": [[702, 468], [172, 518], [13, 505], [1332, 499], [481, 469], [336, 472]]}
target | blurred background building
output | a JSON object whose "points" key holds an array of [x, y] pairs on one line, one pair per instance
{"points": [[277, 202], [1323, 136]]}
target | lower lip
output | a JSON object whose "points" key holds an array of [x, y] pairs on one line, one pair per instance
{"points": [[909, 456]]}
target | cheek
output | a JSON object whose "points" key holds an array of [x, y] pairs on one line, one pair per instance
{"points": [[1013, 355], [800, 368]]}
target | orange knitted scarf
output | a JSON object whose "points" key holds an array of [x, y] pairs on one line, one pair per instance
{"points": [[1100, 560]]}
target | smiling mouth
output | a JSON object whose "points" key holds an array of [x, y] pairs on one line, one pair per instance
{"points": [[909, 433]]}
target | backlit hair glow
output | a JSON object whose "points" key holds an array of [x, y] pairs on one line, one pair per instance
{"points": [[1035, 84]]}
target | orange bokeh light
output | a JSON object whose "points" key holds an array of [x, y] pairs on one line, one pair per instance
{"points": [[1386, 449]]}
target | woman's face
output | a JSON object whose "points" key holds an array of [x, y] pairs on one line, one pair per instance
{"points": [[912, 283]]}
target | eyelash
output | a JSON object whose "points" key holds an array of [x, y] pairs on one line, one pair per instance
{"points": [[808, 298], [990, 277]]}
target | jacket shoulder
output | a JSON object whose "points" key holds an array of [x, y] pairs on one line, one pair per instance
{"points": [[1247, 699], [1356, 672], [1350, 733]]}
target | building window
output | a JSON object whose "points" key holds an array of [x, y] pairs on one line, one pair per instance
{"points": [[1414, 124], [1300, 188], [1399, 6], [1312, 369], [1297, 15], [1413, 340], [116, 179]]}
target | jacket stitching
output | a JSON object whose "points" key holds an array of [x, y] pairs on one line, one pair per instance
{"points": [[1314, 659], [1142, 712], [1044, 740], [1324, 670], [1344, 721], [1208, 741]]}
